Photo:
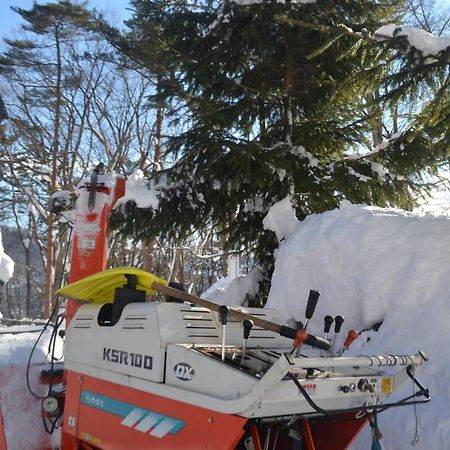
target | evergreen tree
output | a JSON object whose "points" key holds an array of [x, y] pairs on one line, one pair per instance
{"points": [[279, 99]]}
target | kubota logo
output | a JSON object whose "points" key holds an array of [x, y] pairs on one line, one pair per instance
{"points": [[183, 371]]}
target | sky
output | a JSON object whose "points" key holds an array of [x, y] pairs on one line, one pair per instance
{"points": [[10, 21]]}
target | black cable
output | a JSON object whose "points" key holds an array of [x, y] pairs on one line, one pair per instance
{"points": [[380, 408], [52, 342], [55, 424], [51, 349], [34, 348]]}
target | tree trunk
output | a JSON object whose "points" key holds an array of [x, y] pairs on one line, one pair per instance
{"points": [[376, 118], [148, 246], [29, 280], [50, 222], [288, 86]]}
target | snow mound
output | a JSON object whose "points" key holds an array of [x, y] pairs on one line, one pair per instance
{"points": [[233, 291], [281, 219], [6, 264], [371, 265]]}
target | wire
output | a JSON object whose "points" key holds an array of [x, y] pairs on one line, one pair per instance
{"points": [[380, 408], [51, 349], [54, 424], [415, 439], [34, 348]]}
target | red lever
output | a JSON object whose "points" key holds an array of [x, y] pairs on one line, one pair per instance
{"points": [[351, 336], [300, 337]]}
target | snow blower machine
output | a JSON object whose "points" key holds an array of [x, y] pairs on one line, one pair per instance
{"points": [[188, 373]]}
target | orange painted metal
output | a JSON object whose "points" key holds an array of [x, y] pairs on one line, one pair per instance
{"points": [[307, 434], [93, 416], [255, 437], [337, 432], [2, 432], [90, 258]]}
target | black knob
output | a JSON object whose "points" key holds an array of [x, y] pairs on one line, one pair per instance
{"points": [[299, 325], [223, 314], [364, 386], [248, 325], [338, 321], [312, 303], [328, 322]]}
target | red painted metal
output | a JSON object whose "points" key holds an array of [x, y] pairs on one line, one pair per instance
{"points": [[2, 432], [343, 428], [255, 437], [89, 423], [90, 235], [307, 434]]}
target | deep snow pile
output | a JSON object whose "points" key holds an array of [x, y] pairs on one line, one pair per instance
{"points": [[372, 265]]}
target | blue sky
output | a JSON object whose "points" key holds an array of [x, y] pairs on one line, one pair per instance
{"points": [[116, 9], [10, 21]]}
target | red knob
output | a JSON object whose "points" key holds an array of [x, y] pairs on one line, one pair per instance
{"points": [[351, 336], [300, 337]]}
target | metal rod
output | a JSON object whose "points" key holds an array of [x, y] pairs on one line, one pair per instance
{"points": [[244, 349], [282, 330], [223, 342], [368, 361]]}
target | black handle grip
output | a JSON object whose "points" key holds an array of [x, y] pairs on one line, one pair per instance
{"points": [[248, 325], [338, 321], [328, 321], [223, 314], [317, 342], [311, 340], [312, 303]]}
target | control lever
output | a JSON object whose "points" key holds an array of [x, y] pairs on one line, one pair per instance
{"points": [[248, 325], [300, 337], [223, 316], [338, 321], [299, 327], [328, 321], [311, 306], [351, 336]]}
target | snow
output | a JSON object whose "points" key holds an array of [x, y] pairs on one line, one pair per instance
{"points": [[61, 200], [301, 151], [14, 395], [6, 264], [281, 219], [141, 191], [373, 265], [427, 44], [256, 204], [233, 291]]}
